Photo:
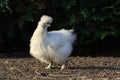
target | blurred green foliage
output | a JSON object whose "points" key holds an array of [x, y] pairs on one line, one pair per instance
{"points": [[91, 19]]}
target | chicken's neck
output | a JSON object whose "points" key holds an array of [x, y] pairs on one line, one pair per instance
{"points": [[40, 32]]}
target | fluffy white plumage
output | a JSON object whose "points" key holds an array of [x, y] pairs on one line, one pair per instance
{"points": [[53, 46]]}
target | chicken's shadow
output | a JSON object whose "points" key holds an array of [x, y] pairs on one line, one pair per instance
{"points": [[96, 68]]}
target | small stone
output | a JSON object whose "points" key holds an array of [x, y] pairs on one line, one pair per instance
{"points": [[44, 74]]}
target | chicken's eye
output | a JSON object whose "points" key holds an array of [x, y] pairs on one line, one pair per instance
{"points": [[47, 23]]}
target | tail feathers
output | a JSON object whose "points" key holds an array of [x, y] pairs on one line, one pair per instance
{"points": [[69, 34], [72, 30], [72, 38]]}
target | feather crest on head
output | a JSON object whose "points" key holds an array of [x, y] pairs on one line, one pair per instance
{"points": [[46, 19]]}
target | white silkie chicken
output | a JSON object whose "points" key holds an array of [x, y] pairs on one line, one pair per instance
{"points": [[53, 46]]}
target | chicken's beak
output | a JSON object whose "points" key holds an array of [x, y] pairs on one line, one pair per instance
{"points": [[49, 25]]}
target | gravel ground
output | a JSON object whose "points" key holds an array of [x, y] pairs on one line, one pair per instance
{"points": [[78, 68]]}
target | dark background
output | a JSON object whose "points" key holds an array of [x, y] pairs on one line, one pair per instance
{"points": [[96, 23]]}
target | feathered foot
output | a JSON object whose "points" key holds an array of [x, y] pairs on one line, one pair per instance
{"points": [[49, 66], [63, 67]]}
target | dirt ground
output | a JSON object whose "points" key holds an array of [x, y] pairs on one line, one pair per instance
{"points": [[78, 68]]}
